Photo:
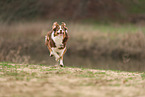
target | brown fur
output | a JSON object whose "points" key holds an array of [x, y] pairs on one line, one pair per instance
{"points": [[50, 43]]}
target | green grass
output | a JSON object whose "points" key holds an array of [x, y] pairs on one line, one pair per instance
{"points": [[143, 76], [118, 29], [134, 7], [111, 27]]}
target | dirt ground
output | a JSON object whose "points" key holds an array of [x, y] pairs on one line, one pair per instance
{"points": [[21, 80]]}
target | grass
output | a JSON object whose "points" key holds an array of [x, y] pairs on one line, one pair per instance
{"points": [[19, 42], [119, 29], [143, 76], [40, 80]]}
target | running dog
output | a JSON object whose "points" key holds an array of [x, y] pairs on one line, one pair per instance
{"points": [[56, 40]]}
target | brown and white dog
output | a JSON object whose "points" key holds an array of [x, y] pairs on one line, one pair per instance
{"points": [[56, 40]]}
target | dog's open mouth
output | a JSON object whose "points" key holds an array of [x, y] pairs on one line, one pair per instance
{"points": [[60, 34]]}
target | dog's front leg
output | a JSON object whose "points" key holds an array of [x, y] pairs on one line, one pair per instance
{"points": [[61, 61], [61, 58], [57, 57]]}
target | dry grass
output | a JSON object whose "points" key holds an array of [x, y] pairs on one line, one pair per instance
{"points": [[43, 81], [93, 40]]}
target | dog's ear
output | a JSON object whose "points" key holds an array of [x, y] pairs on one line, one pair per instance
{"points": [[64, 25], [55, 25]]}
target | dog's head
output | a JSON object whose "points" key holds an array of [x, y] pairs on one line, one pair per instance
{"points": [[59, 29]]}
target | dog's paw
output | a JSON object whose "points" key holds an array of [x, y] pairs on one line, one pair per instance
{"points": [[61, 65], [51, 54]]}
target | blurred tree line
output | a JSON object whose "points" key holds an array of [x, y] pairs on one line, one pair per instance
{"points": [[110, 10]]}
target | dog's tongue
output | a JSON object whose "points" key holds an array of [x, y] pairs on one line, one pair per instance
{"points": [[60, 34]]}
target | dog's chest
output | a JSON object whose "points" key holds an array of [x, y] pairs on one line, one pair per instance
{"points": [[57, 40]]}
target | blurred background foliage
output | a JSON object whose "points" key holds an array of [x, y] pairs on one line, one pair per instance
{"points": [[101, 32], [98, 10]]}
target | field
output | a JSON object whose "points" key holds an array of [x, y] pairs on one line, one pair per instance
{"points": [[23, 44], [105, 51], [113, 40], [27, 80], [88, 43]]}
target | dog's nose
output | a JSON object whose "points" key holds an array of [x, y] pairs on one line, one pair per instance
{"points": [[60, 31]]}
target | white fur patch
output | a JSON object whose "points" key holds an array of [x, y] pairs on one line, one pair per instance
{"points": [[58, 53], [60, 28], [57, 40]]}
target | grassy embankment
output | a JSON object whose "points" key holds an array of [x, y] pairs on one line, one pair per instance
{"points": [[94, 40], [88, 44], [22, 80]]}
